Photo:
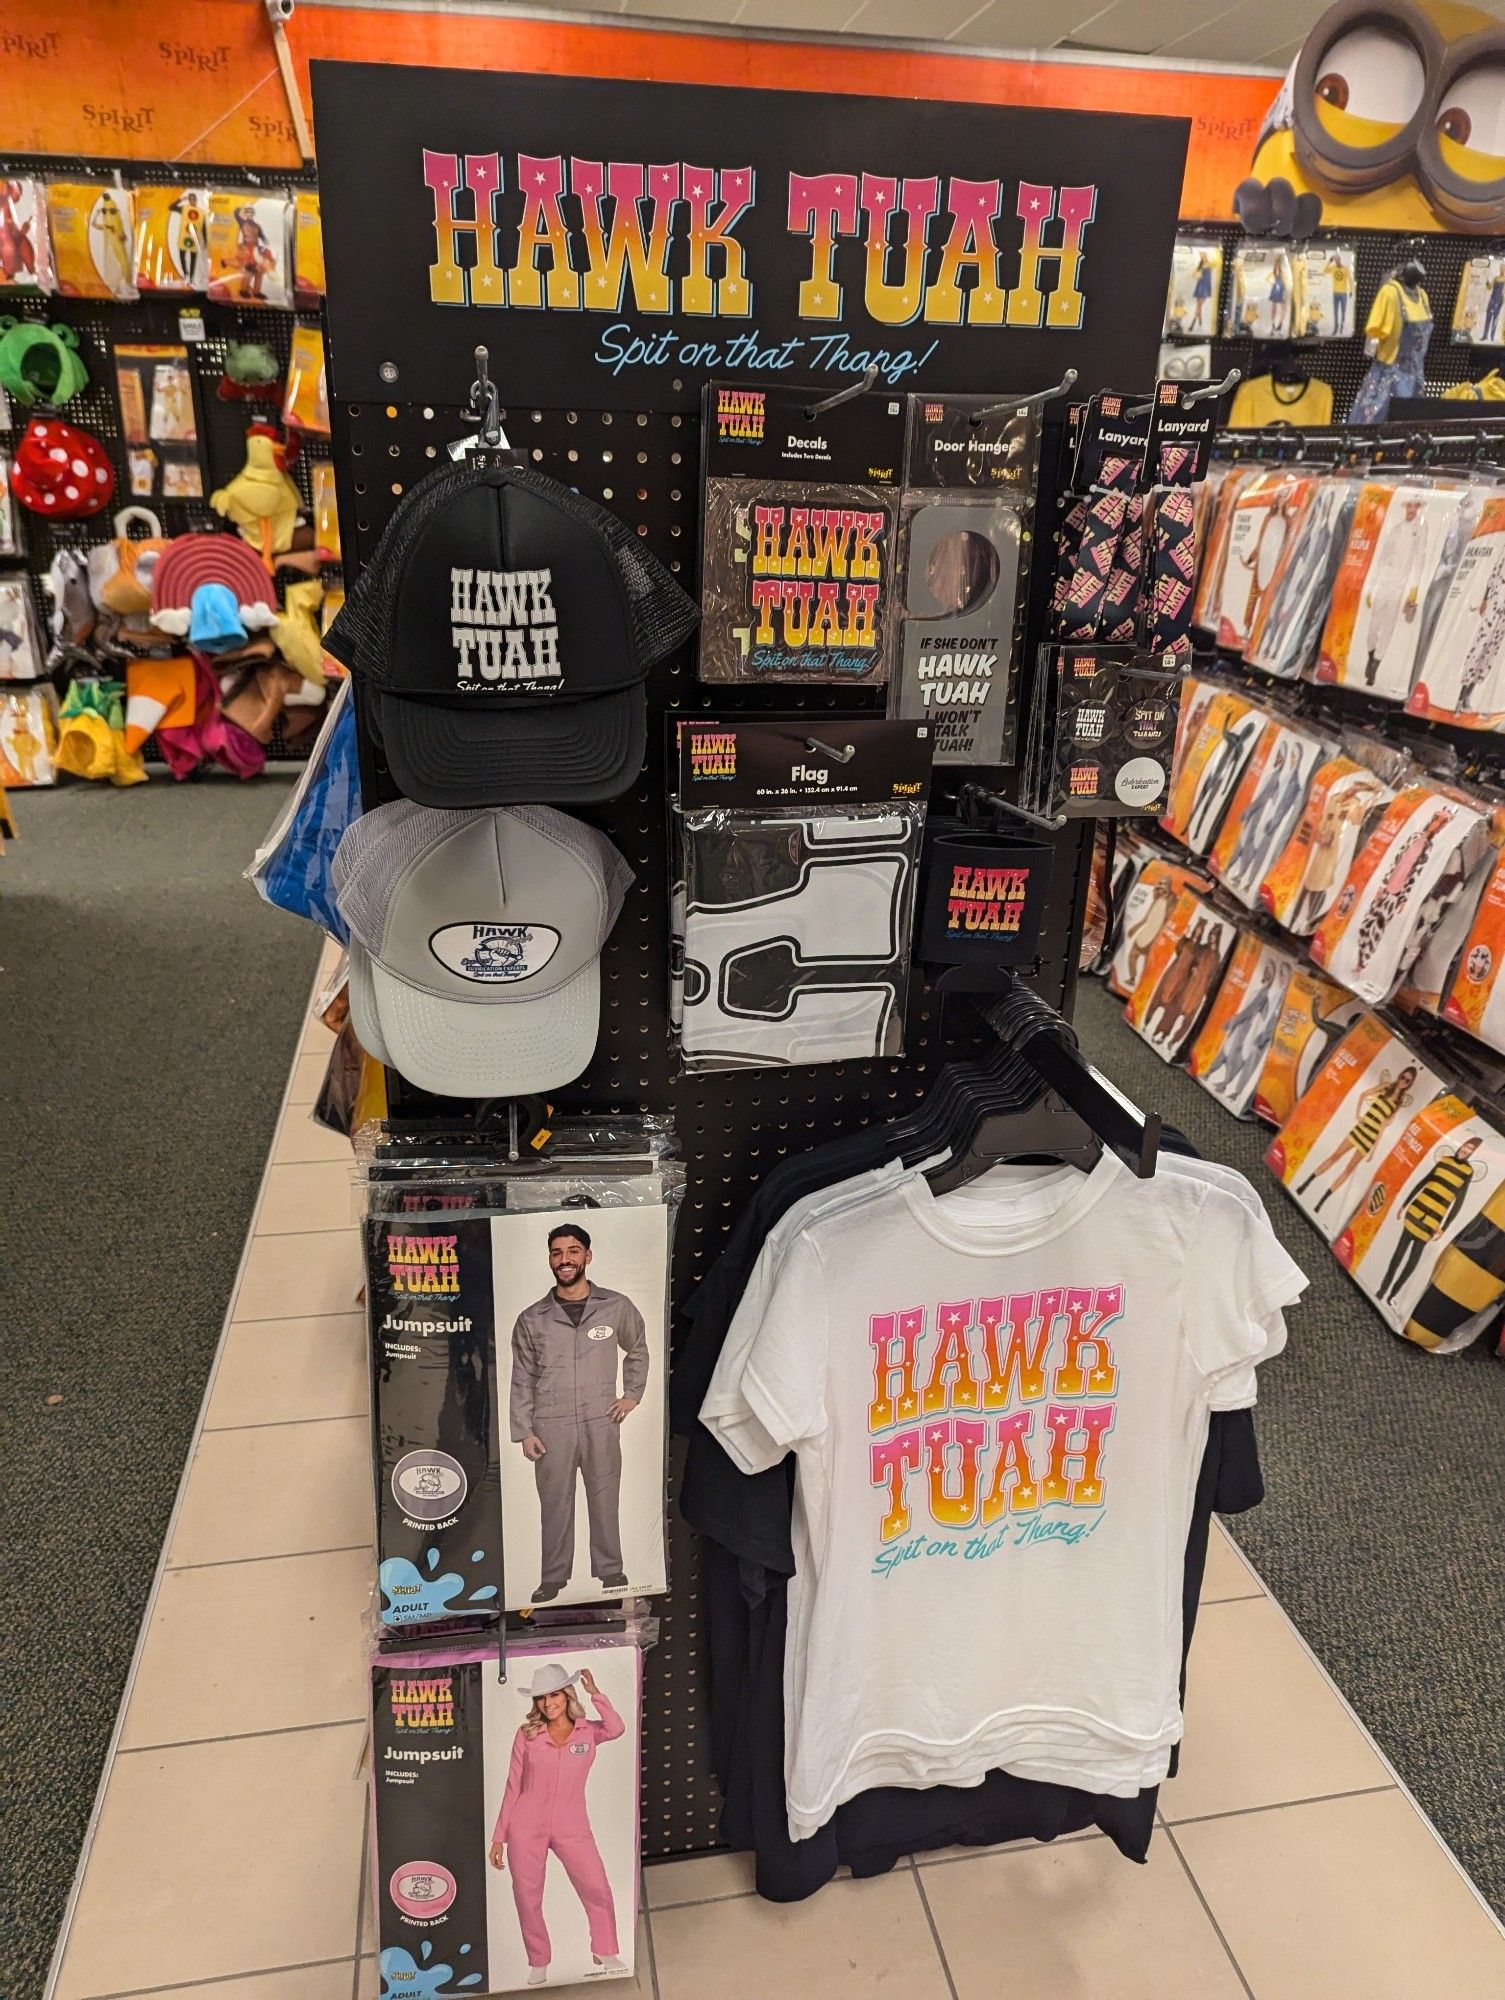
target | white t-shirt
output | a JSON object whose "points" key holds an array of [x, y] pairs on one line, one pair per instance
{"points": [[999, 1401]]}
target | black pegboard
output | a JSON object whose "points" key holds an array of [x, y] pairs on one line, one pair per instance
{"points": [[1343, 363], [733, 1126], [101, 325]]}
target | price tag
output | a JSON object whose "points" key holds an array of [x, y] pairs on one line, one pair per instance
{"points": [[191, 325]]}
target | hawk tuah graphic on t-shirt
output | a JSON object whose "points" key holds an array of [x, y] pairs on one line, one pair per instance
{"points": [[954, 1411], [504, 628]]}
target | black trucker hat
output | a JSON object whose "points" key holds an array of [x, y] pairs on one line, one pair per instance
{"points": [[503, 629]]}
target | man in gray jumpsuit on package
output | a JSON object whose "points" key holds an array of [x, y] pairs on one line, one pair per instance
{"points": [[566, 1412]]}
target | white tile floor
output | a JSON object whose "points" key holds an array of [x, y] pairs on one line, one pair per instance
{"points": [[227, 1855]]}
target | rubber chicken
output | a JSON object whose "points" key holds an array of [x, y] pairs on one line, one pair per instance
{"points": [[297, 630], [261, 500]]}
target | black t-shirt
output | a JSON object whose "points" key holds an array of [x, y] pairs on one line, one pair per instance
{"points": [[573, 1309]]}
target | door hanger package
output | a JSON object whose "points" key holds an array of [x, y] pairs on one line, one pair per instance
{"points": [[1424, 1193], [800, 511], [969, 491], [1229, 1053], [1345, 1120], [1182, 971], [795, 858], [1314, 1017], [1102, 734], [505, 1815]]}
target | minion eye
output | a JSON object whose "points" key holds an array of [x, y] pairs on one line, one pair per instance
{"points": [[1375, 74], [1473, 115]]}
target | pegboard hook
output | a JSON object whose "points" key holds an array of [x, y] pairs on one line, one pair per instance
{"points": [[853, 389], [1038, 401], [484, 406]]}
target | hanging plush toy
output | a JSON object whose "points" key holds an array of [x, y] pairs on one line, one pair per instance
{"points": [[261, 500]]}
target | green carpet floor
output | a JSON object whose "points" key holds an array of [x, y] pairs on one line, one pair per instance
{"points": [[1381, 1528], [150, 1004]]}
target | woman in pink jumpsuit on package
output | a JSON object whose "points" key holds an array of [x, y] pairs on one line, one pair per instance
{"points": [[543, 1811]]}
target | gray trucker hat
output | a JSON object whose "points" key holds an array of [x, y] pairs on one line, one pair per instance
{"points": [[475, 943]]}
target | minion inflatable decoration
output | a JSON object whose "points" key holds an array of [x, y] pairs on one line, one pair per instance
{"points": [[1391, 117]]}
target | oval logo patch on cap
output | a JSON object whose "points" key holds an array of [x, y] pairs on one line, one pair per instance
{"points": [[495, 954]]}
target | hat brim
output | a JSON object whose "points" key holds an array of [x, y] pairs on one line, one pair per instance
{"points": [[487, 1048], [514, 753], [529, 1694], [365, 1018]]}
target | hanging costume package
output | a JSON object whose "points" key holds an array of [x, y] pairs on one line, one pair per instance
{"points": [[1230, 1052], [1426, 1191], [1146, 910], [21, 655], [1303, 880], [1287, 628], [28, 735], [797, 579], [1220, 491], [796, 855], [1102, 733], [1479, 310], [90, 224], [1345, 1119], [1265, 807], [1475, 999], [495, 1403], [1262, 517], [1191, 304], [1259, 299], [1209, 767], [1182, 971], [308, 247], [1314, 1017], [1326, 278], [168, 250], [501, 1852], [1396, 557], [1462, 676], [969, 495], [1409, 871], [25, 246], [248, 238], [1430, 974]]}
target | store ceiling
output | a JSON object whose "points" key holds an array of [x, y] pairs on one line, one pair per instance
{"points": [[1263, 34]]}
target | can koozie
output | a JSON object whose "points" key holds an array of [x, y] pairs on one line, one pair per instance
{"points": [[984, 896]]}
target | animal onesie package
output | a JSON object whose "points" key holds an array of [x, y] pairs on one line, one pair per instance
{"points": [[1264, 808], [1181, 973], [90, 223], [1264, 516], [249, 237], [1228, 1054], [1222, 488], [1462, 675], [1287, 626], [1395, 556], [1346, 1119], [1408, 873], [580, 1393], [1423, 1194], [1302, 882], [1475, 999], [505, 1815], [1147, 906], [1315, 1015], [1209, 767]]}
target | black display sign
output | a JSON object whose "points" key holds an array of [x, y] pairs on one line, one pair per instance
{"points": [[617, 243], [817, 759]]}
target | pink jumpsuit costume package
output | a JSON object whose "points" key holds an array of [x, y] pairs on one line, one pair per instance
{"points": [[504, 1859], [544, 1812]]}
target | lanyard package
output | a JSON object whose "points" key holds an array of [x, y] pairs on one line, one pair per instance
{"points": [[1102, 735], [795, 860], [971, 469], [799, 517]]}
